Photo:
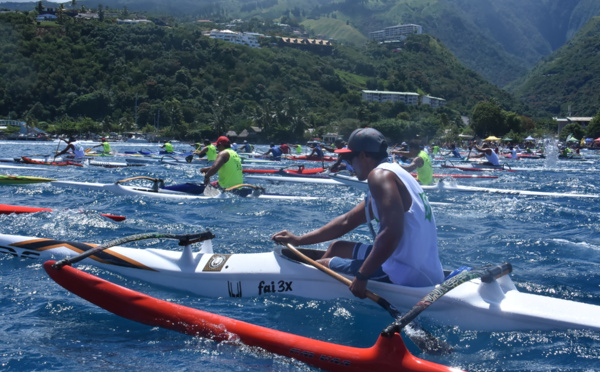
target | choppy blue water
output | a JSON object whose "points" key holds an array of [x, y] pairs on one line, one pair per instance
{"points": [[553, 244]]}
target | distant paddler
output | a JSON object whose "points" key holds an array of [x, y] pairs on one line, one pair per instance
{"points": [[76, 148], [275, 152], [316, 152], [339, 143], [168, 147], [489, 153], [228, 165], [340, 164], [209, 150], [247, 148], [105, 146], [421, 162]]}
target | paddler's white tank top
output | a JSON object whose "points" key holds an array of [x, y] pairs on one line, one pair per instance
{"points": [[492, 159], [415, 262]]}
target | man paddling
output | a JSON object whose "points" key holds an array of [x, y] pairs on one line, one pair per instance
{"points": [[208, 149], [78, 150], [228, 165], [340, 164], [421, 162], [316, 152], [491, 156], [275, 152], [405, 247], [168, 147], [105, 146]]}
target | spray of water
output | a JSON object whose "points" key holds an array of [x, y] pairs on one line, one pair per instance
{"points": [[550, 151]]}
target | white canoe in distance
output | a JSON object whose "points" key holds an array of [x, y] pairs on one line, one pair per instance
{"points": [[445, 186], [495, 306], [163, 194]]}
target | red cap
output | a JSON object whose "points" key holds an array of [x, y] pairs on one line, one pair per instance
{"points": [[222, 141]]}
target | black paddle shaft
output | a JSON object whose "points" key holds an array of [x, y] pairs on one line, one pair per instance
{"points": [[184, 239], [487, 274]]}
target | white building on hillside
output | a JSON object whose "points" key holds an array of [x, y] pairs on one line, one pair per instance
{"points": [[245, 38], [581, 120], [395, 33], [408, 98], [434, 102]]}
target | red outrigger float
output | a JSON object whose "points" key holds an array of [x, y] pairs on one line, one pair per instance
{"points": [[17, 209], [313, 158], [300, 170], [388, 353]]}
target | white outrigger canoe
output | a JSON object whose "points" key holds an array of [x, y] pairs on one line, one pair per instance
{"points": [[163, 194], [445, 186], [474, 305]]}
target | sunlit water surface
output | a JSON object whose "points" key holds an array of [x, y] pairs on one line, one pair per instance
{"points": [[553, 244]]}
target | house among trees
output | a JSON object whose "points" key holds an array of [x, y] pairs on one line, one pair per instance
{"points": [[581, 120], [434, 102], [87, 16], [245, 38], [409, 98], [395, 33], [46, 17]]}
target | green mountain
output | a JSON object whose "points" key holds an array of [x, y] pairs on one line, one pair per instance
{"points": [[501, 40], [567, 81], [92, 74]]}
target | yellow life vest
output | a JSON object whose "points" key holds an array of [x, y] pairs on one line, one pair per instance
{"points": [[211, 153], [425, 173], [106, 147], [230, 174]]}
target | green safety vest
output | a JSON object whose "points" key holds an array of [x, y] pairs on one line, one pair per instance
{"points": [[211, 153], [230, 174], [425, 173], [106, 147]]}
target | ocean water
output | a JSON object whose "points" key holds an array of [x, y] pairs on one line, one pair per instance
{"points": [[553, 244]]}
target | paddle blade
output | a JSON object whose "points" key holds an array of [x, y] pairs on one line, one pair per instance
{"points": [[211, 191], [423, 339], [113, 217]]}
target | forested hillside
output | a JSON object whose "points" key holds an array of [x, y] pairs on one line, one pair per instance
{"points": [[92, 74], [568, 81], [501, 40]]}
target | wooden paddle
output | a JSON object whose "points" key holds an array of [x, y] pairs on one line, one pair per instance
{"points": [[424, 340], [58, 144], [469, 154]]}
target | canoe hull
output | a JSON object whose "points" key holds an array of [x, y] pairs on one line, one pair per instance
{"points": [[163, 194], [496, 306], [27, 160], [22, 180]]}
